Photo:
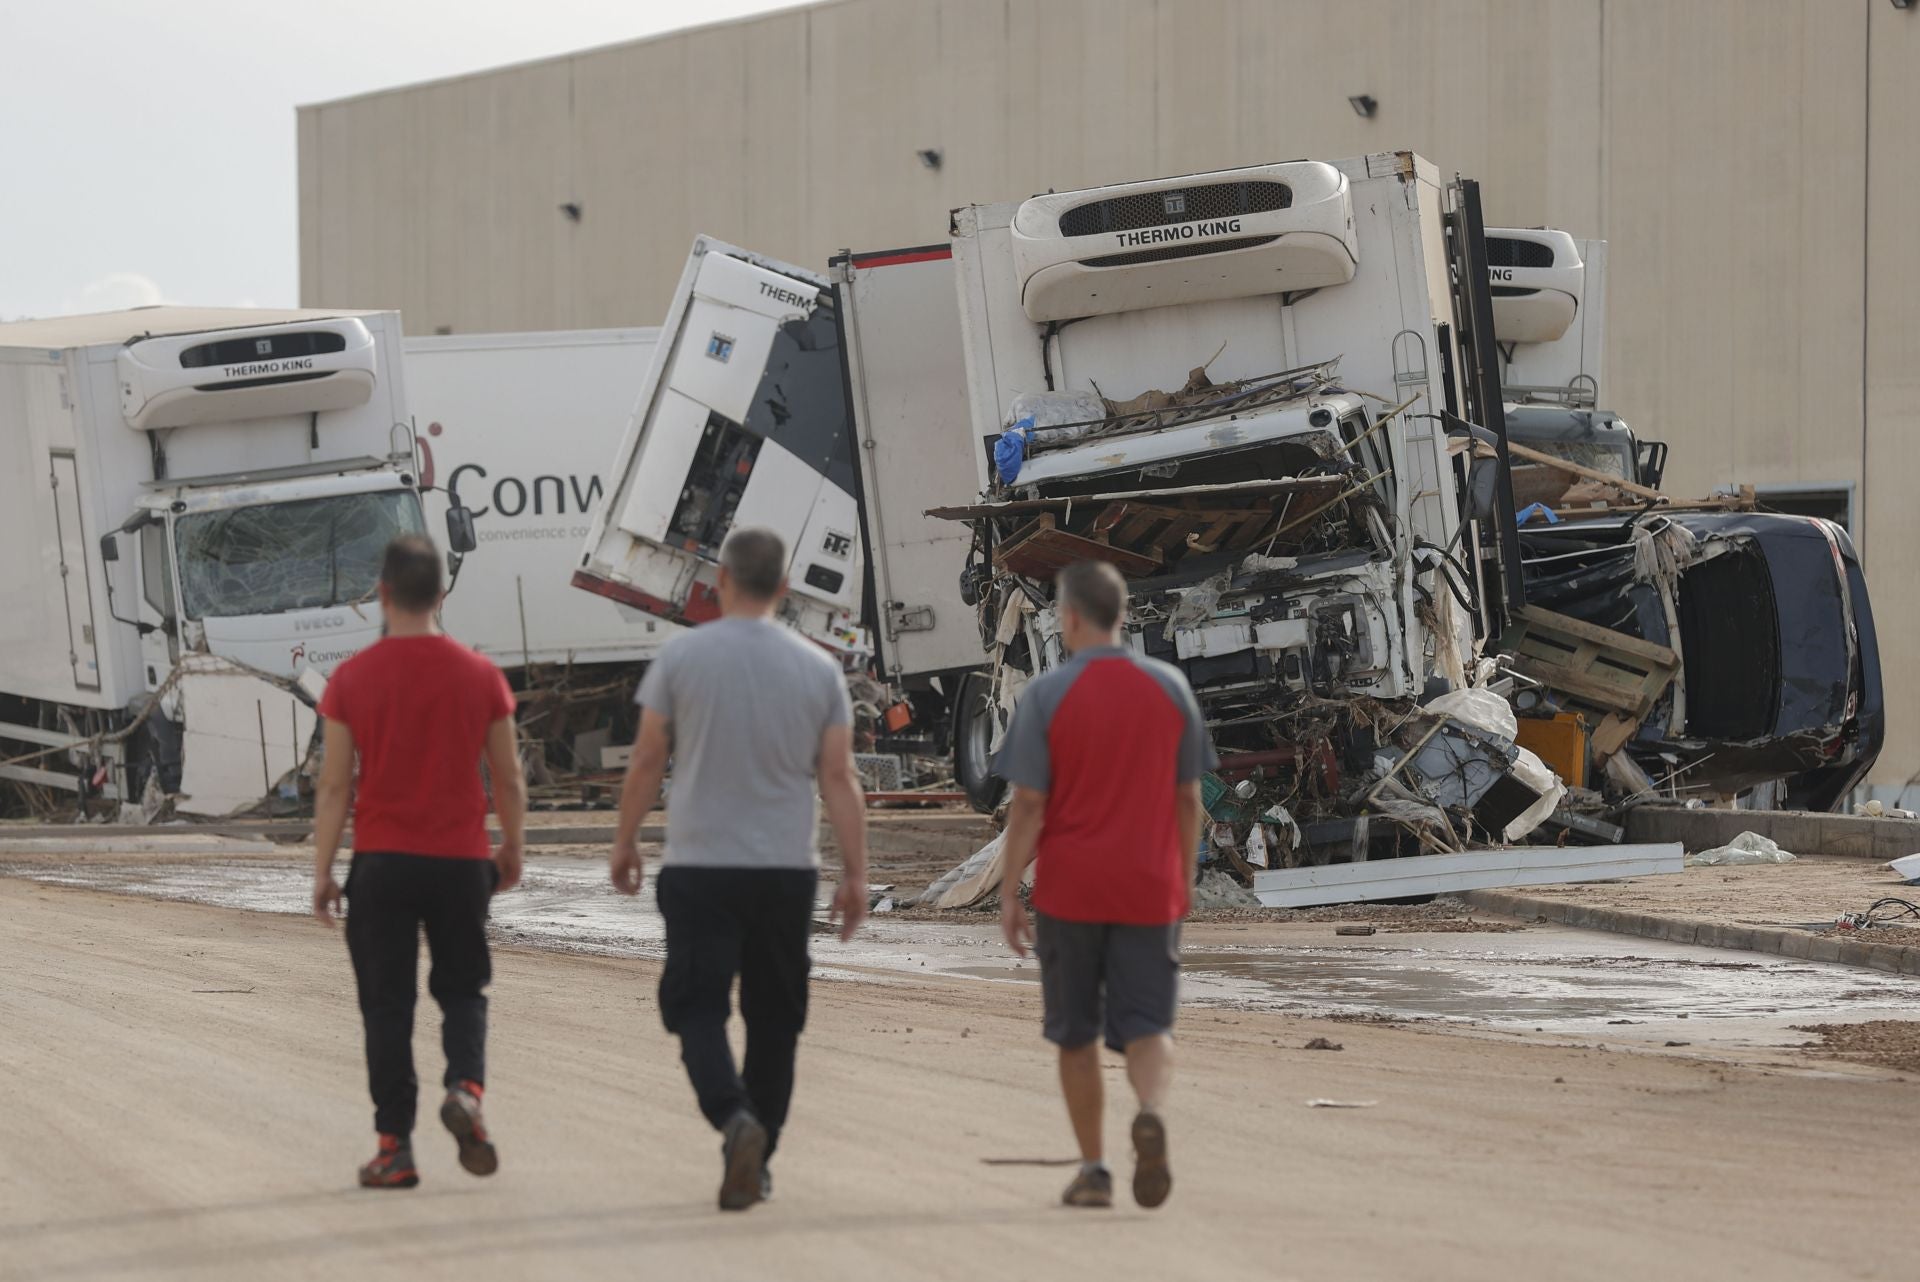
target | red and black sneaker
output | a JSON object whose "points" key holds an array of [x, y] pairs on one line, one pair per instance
{"points": [[461, 1114], [392, 1167]]}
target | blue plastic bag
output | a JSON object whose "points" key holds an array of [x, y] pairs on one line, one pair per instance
{"points": [[1010, 451]]}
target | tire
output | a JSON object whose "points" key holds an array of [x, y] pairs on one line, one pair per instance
{"points": [[974, 720]]}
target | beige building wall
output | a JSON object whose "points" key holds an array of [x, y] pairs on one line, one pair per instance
{"points": [[1754, 165]]}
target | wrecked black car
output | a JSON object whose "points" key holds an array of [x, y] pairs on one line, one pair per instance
{"points": [[1775, 667]]}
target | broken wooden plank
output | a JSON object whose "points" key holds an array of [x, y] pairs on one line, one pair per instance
{"points": [[1467, 870], [1040, 552], [1570, 626], [1575, 469]]}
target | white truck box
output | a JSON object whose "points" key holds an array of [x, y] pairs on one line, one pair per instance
{"points": [[521, 428], [742, 421], [1549, 312], [907, 386]]}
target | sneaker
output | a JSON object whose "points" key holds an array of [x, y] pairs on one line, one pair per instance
{"points": [[1090, 1188], [1152, 1177], [743, 1152], [392, 1167], [460, 1113]]}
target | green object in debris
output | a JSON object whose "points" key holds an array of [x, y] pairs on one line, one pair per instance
{"points": [[1218, 799]]}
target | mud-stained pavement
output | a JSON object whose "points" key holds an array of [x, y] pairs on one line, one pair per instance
{"points": [[1542, 979]]}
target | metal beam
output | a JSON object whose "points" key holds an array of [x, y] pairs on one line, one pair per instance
{"points": [[1468, 870]]}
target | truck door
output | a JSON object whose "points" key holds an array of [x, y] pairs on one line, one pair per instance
{"points": [[76, 578], [907, 376], [160, 648]]}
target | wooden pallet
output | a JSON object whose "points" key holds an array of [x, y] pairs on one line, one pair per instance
{"points": [[1594, 667], [1158, 530]]}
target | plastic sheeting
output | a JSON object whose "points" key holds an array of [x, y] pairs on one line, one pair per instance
{"points": [[1747, 848]]}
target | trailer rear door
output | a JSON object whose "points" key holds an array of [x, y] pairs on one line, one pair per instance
{"points": [[75, 576], [907, 383]]}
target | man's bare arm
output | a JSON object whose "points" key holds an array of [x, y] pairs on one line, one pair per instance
{"points": [[638, 793], [509, 799], [332, 794], [846, 803], [1190, 818], [1025, 814]]}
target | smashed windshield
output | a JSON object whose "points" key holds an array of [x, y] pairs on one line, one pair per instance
{"points": [[300, 555]]}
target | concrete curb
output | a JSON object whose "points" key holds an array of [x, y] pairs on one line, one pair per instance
{"points": [[1802, 832], [1776, 941]]}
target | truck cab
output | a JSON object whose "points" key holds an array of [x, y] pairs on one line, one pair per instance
{"points": [[208, 492]]}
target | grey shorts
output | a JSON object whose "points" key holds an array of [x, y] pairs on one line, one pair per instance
{"points": [[1094, 978]]}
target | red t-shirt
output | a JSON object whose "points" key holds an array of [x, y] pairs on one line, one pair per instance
{"points": [[1109, 737], [419, 709]]}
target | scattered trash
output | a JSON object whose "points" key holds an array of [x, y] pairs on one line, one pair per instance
{"points": [[1342, 1103], [1880, 810], [1322, 1044], [1908, 869], [1747, 848], [1353, 930], [1679, 1043], [1896, 909]]}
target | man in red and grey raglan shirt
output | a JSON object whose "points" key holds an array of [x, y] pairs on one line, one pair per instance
{"points": [[420, 711], [1105, 755]]}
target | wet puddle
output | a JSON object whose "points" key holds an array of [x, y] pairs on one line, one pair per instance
{"points": [[1551, 979]]}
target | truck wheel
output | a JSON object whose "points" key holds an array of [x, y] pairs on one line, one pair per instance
{"points": [[973, 726]]}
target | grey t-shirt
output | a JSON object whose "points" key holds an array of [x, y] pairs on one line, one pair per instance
{"points": [[746, 701]]}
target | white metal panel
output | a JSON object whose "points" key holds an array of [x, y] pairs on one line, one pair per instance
{"points": [[780, 495], [728, 331], [908, 373], [36, 642], [827, 556], [243, 736], [76, 579], [1157, 348], [1467, 870], [659, 471]]}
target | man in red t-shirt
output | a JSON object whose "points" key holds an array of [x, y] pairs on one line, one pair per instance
{"points": [[420, 711], [1105, 755]]}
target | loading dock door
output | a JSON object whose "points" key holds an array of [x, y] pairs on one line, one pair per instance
{"points": [[75, 578]]}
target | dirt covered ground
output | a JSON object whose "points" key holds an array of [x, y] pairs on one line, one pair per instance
{"points": [[1889, 1043], [187, 1102], [1812, 889]]}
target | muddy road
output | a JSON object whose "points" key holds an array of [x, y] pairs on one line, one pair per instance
{"points": [[187, 1102], [1541, 979]]}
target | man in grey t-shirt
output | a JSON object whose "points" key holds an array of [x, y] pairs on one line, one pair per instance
{"points": [[755, 719]]}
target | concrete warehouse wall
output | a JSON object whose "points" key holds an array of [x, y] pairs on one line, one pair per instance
{"points": [[1755, 165]]}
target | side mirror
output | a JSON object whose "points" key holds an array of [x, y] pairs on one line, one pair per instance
{"points": [[460, 536], [109, 548]]}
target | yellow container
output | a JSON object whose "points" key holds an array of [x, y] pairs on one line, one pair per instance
{"points": [[1561, 742]]}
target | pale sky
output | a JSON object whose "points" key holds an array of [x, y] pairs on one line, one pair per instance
{"points": [[150, 153]]}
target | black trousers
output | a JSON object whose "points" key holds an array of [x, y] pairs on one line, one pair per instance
{"points": [[389, 898], [754, 923]]}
